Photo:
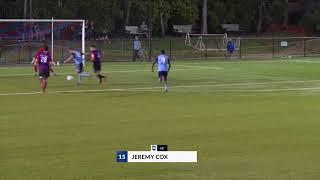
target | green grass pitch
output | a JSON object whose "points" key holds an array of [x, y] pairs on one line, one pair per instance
{"points": [[248, 120]]}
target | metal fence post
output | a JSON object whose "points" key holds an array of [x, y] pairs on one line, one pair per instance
{"points": [[61, 44], [273, 47], [304, 47], [122, 49], [240, 48], [19, 45], [170, 49], [206, 51]]}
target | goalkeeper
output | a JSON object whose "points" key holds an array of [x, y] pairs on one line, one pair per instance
{"points": [[231, 47]]}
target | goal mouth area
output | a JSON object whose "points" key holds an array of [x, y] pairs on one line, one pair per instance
{"points": [[20, 39]]}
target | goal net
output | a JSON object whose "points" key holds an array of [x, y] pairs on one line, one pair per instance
{"points": [[21, 38]]}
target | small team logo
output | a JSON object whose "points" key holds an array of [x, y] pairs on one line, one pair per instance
{"points": [[153, 147]]}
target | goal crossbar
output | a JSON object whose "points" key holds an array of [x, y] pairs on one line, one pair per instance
{"points": [[42, 20]]}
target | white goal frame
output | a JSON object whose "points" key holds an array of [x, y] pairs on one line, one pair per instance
{"points": [[52, 21], [200, 44]]}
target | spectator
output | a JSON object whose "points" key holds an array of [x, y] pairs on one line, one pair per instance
{"points": [[136, 48], [92, 32], [36, 31], [144, 29], [86, 24], [105, 37]]}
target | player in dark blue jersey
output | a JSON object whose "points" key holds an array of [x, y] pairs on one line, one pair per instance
{"points": [[164, 66], [231, 47], [96, 60]]}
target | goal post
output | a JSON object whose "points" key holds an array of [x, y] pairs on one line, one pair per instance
{"points": [[24, 34]]}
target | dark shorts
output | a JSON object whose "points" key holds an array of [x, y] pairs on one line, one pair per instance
{"points": [[79, 68], [163, 74], [96, 67], [231, 50], [44, 73]]}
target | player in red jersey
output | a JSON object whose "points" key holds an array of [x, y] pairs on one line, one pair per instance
{"points": [[35, 67], [43, 61]]}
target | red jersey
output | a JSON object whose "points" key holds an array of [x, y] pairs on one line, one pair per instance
{"points": [[40, 50], [44, 60]]}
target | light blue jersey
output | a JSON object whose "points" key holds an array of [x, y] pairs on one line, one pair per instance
{"points": [[77, 58], [163, 62]]}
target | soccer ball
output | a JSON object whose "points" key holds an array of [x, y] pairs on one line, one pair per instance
{"points": [[69, 77]]}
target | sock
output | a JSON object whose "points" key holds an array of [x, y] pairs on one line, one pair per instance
{"points": [[44, 85], [79, 78], [166, 86], [100, 78]]}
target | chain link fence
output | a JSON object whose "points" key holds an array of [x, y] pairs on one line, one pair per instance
{"points": [[21, 52]]}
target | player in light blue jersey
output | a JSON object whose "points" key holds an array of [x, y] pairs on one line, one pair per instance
{"points": [[164, 66], [77, 59]]}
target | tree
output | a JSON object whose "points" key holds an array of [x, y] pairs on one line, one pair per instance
{"points": [[162, 25], [128, 9], [204, 29], [285, 14], [25, 9], [261, 8]]}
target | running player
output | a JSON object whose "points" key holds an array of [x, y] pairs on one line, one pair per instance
{"points": [[164, 67], [43, 61], [96, 60], [76, 56], [35, 68]]}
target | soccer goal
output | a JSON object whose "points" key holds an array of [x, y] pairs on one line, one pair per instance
{"points": [[200, 41], [209, 42], [21, 38]]}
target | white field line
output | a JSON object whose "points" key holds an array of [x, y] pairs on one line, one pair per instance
{"points": [[120, 71], [151, 89], [200, 67], [306, 61]]}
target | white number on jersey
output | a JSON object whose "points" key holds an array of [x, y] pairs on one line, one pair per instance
{"points": [[163, 60], [43, 59]]}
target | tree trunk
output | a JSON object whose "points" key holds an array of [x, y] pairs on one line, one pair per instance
{"points": [[260, 16], [204, 29], [25, 10], [163, 28], [128, 10], [30, 6], [285, 15]]}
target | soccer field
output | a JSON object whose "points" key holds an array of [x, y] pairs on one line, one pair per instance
{"points": [[256, 120]]}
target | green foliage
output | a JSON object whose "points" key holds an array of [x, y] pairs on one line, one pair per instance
{"points": [[111, 14], [244, 13], [184, 11], [312, 22]]}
